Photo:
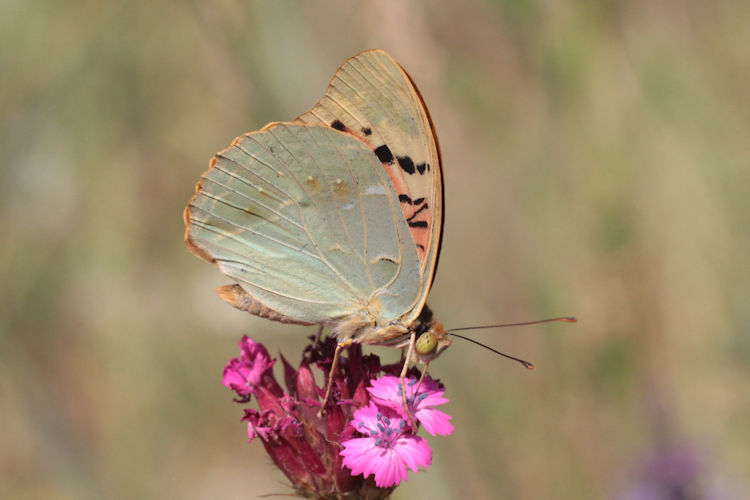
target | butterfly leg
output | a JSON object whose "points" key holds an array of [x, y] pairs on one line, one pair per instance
{"points": [[409, 352], [334, 366], [320, 334], [424, 372]]}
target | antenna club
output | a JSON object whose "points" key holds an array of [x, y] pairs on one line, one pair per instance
{"points": [[528, 365], [570, 319]]}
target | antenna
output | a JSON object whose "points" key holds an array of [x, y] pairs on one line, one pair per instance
{"points": [[566, 319], [526, 364]]}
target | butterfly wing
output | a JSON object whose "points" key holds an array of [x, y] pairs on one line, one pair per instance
{"points": [[373, 99], [307, 222]]}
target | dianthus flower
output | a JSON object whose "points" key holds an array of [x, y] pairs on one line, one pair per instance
{"points": [[386, 391], [363, 444], [387, 446]]}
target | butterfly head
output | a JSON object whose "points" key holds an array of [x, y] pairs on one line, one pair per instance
{"points": [[432, 339]]}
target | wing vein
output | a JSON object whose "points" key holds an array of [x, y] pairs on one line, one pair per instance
{"points": [[228, 188], [231, 236]]}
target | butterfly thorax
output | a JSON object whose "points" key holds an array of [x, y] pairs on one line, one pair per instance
{"points": [[431, 337]]}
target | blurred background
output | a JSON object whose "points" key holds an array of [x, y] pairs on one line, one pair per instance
{"points": [[596, 162]]}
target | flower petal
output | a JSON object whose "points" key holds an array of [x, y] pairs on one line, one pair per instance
{"points": [[356, 453], [435, 421], [389, 467], [392, 470], [235, 377], [365, 418], [385, 389], [414, 450], [432, 398]]}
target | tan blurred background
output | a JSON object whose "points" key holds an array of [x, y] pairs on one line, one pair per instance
{"points": [[597, 163]]}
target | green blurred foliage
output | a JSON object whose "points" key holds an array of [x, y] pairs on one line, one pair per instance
{"points": [[596, 164]]}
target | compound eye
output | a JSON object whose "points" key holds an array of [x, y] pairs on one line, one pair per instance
{"points": [[426, 343]]}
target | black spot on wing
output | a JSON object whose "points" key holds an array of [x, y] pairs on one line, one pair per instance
{"points": [[423, 207], [406, 164], [367, 131], [384, 154], [419, 245], [418, 223], [418, 201], [387, 259], [405, 198], [338, 125], [421, 167]]}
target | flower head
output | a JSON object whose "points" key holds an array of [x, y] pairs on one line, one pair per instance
{"points": [[245, 373], [387, 446], [386, 391], [363, 444]]}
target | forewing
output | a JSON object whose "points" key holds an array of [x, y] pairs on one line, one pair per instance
{"points": [[305, 219], [372, 98]]}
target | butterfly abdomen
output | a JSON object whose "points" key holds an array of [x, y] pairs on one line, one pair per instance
{"points": [[239, 298]]}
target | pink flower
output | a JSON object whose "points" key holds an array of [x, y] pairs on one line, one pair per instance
{"points": [[386, 391], [387, 448], [245, 373], [336, 454], [304, 445]]}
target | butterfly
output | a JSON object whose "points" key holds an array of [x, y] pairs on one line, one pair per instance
{"points": [[334, 218]]}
